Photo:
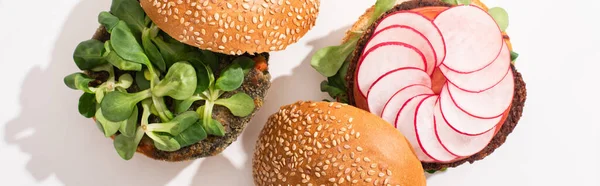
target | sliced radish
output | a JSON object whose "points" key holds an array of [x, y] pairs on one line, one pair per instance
{"points": [[473, 39], [460, 121], [456, 143], [405, 124], [487, 104], [421, 24], [394, 104], [384, 88], [485, 78], [385, 57], [425, 131], [408, 35]]}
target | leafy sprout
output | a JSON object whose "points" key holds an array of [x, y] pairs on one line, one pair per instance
{"points": [[126, 146], [146, 68], [500, 16], [152, 51], [329, 60], [128, 127], [113, 58], [79, 81], [108, 20], [89, 54], [118, 106], [231, 79], [239, 104], [381, 6], [179, 83], [177, 125], [125, 45], [110, 127], [87, 105], [131, 13]]}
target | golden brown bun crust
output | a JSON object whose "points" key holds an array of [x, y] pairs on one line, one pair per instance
{"points": [[512, 117], [329, 143], [236, 26]]}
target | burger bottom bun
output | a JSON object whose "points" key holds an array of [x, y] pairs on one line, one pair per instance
{"points": [[255, 84], [325, 143], [511, 118]]}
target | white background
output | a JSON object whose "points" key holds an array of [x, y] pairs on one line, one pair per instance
{"points": [[44, 141]]}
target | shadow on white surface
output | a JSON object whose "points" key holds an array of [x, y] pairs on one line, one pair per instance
{"points": [[60, 142], [301, 84]]}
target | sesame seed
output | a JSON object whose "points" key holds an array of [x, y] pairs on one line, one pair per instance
{"points": [[371, 172]]}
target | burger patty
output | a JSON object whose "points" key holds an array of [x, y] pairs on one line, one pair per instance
{"points": [[256, 85], [520, 93]]}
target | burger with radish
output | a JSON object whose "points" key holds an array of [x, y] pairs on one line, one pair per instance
{"points": [[441, 72]]}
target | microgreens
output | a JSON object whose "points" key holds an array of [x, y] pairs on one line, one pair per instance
{"points": [[153, 69]]}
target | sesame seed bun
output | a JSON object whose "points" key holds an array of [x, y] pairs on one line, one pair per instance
{"points": [[325, 143], [234, 27]]}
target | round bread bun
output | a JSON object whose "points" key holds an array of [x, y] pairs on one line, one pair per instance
{"points": [[236, 26], [322, 143]]}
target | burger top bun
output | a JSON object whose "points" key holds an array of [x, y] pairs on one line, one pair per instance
{"points": [[234, 26], [324, 143]]}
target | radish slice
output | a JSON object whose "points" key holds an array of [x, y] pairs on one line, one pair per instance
{"points": [[460, 121], [456, 143], [487, 104], [425, 130], [408, 35], [391, 108], [421, 24], [405, 124], [388, 84], [485, 78], [385, 57], [473, 39]]}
